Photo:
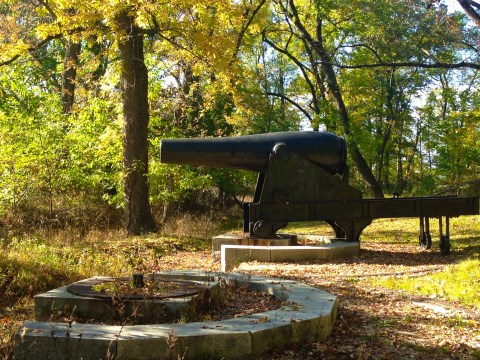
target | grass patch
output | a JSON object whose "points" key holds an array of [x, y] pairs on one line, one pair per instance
{"points": [[39, 262], [464, 232], [309, 228], [457, 283], [34, 263]]}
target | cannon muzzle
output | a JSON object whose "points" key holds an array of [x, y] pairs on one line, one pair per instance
{"points": [[252, 152]]}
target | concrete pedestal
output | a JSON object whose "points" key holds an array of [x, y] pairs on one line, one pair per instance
{"points": [[233, 255], [234, 239]]}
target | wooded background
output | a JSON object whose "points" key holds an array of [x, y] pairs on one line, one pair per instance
{"points": [[88, 89]]}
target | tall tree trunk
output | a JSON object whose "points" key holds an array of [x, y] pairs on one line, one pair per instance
{"points": [[70, 64], [134, 80], [390, 120], [411, 157], [357, 156], [334, 89], [471, 11]]}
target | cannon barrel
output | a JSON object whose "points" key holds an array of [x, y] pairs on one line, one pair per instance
{"points": [[252, 152]]}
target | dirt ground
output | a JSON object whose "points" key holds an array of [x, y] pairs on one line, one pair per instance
{"points": [[372, 323]]}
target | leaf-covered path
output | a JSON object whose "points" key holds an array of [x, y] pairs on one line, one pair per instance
{"points": [[373, 322]]}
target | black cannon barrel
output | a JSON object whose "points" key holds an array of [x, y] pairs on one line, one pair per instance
{"points": [[251, 152]]}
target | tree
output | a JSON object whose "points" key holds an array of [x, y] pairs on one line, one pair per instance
{"points": [[134, 82], [451, 134], [198, 68], [472, 9], [195, 29], [324, 76]]}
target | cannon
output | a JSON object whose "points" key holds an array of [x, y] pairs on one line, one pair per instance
{"points": [[294, 168], [253, 152], [301, 177]]}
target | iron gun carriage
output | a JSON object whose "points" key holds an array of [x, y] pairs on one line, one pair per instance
{"points": [[300, 179]]}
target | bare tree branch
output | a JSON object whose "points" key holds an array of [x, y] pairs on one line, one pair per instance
{"points": [[374, 52], [286, 98], [435, 65], [475, 4], [244, 29], [32, 49], [297, 62]]}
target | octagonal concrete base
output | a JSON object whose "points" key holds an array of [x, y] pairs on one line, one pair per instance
{"points": [[308, 315]]}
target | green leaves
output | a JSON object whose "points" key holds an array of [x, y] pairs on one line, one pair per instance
{"points": [[45, 155], [215, 69]]}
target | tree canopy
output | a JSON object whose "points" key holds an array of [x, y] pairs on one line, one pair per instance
{"points": [[89, 88]]}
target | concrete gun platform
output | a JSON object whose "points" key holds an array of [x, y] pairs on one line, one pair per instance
{"points": [[308, 315], [235, 239], [233, 255]]}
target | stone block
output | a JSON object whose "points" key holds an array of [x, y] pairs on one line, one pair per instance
{"points": [[84, 308], [343, 249], [232, 255], [184, 341], [297, 253], [60, 300], [59, 341]]}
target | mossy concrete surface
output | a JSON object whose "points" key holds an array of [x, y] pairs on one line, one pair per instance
{"points": [[308, 315]]}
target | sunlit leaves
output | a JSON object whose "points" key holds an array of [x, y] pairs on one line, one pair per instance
{"points": [[211, 75], [45, 154], [451, 134]]}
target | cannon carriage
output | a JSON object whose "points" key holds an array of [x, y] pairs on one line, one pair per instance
{"points": [[300, 178]]}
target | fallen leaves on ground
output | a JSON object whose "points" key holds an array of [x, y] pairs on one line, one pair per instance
{"points": [[241, 301], [372, 323]]}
